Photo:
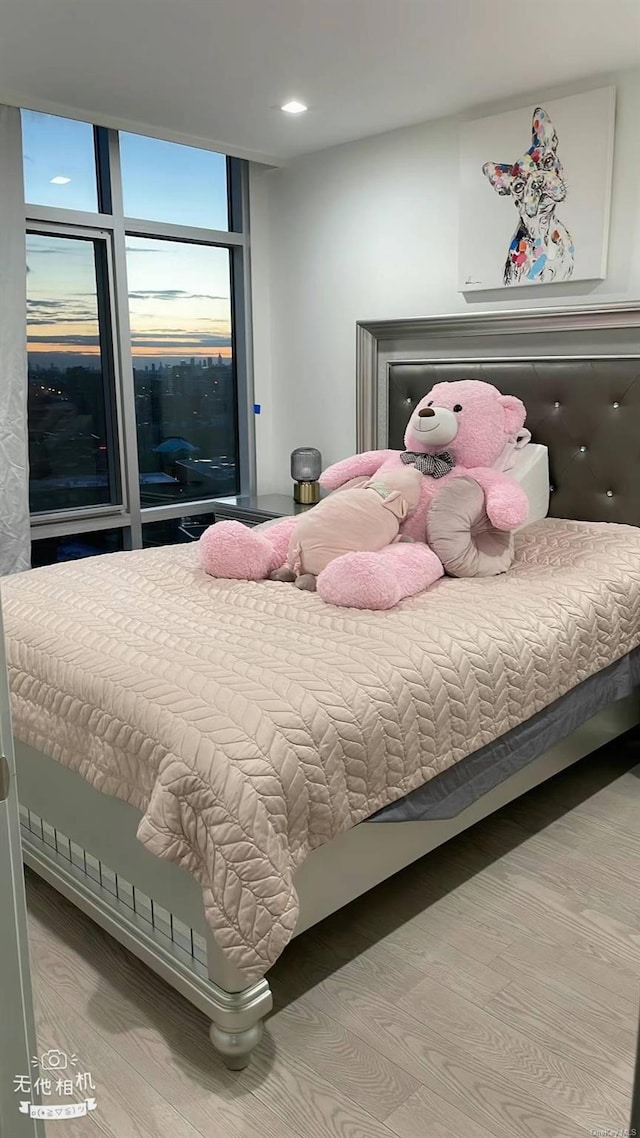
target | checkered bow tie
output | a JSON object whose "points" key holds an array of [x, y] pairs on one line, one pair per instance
{"points": [[437, 465]]}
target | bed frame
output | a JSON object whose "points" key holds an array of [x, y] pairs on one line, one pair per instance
{"points": [[578, 371]]}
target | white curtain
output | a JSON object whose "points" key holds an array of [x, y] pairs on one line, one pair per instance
{"points": [[14, 455]]}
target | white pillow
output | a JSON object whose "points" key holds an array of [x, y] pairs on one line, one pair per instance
{"points": [[529, 465]]}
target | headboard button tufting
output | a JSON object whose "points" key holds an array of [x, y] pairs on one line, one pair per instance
{"points": [[582, 449], [557, 403], [615, 403], [609, 493]]}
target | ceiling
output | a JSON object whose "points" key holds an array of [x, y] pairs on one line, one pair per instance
{"points": [[218, 70]]}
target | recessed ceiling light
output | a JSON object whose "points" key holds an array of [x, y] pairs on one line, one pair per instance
{"points": [[60, 180], [294, 107]]}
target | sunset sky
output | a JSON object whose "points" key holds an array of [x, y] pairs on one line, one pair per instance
{"points": [[179, 293]]}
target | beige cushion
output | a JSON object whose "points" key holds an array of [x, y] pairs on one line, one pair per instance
{"points": [[363, 518], [459, 531]]}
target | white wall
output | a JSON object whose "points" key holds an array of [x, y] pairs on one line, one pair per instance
{"points": [[368, 231]]}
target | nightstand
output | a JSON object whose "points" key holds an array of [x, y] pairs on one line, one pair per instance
{"points": [[255, 508]]}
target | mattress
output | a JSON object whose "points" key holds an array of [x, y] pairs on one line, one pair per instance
{"points": [[463, 783], [250, 722]]}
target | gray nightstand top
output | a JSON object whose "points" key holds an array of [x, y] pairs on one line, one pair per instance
{"points": [[260, 506]]}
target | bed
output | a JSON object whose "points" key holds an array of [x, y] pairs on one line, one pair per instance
{"points": [[233, 772]]}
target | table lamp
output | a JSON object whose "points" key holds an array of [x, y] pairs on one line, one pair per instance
{"points": [[306, 466]]}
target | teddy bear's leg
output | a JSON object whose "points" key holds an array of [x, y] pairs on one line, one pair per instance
{"points": [[379, 580], [238, 552]]}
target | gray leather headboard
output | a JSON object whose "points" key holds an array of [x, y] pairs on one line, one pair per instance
{"points": [[587, 412]]}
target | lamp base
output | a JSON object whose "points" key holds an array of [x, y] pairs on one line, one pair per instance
{"points": [[306, 493]]}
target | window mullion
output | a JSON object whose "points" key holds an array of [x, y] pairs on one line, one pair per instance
{"points": [[106, 327], [70, 527], [103, 169], [166, 231], [80, 220], [237, 172], [123, 344], [241, 330]]}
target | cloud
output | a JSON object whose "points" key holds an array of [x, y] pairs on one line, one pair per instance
{"points": [[48, 322], [68, 248], [61, 306], [191, 342], [204, 328], [188, 343], [66, 341], [173, 294], [157, 294], [59, 312]]}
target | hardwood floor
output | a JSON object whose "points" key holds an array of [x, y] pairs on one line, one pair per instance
{"points": [[489, 990]]}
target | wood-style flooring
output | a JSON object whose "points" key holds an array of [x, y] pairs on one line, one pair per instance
{"points": [[488, 991]]}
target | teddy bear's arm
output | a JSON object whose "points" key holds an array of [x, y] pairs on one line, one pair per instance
{"points": [[357, 466], [506, 503]]}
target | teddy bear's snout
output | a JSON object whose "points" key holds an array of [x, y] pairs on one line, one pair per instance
{"points": [[435, 426]]}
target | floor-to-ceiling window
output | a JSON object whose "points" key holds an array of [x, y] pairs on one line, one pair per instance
{"points": [[137, 336]]}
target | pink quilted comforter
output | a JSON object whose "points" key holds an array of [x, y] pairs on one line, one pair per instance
{"points": [[251, 722]]}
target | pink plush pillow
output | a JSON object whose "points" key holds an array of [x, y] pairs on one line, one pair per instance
{"points": [[459, 531]]}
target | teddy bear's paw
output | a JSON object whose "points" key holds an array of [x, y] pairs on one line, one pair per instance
{"points": [[359, 581], [236, 552], [507, 507]]}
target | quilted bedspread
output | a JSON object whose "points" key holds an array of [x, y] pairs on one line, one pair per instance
{"points": [[251, 722]]}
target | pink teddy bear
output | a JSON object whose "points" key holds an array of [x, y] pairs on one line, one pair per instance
{"points": [[462, 428]]}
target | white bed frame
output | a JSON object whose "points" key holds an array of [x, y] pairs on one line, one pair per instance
{"points": [[84, 843]]}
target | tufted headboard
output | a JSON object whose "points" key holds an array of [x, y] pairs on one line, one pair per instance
{"points": [[585, 407]]}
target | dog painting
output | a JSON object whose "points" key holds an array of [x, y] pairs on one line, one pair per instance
{"points": [[541, 248], [552, 164]]}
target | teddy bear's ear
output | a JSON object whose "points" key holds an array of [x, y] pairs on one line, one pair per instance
{"points": [[514, 413]]}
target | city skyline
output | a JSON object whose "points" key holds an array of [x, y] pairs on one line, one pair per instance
{"points": [[185, 426], [67, 361]]}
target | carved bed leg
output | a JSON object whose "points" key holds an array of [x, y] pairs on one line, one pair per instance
{"points": [[236, 1011], [235, 1048], [237, 1024]]}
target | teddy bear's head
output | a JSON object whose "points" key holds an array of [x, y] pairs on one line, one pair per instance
{"points": [[470, 419]]}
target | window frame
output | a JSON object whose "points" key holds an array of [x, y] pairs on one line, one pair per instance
{"points": [[111, 226], [110, 373]]}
